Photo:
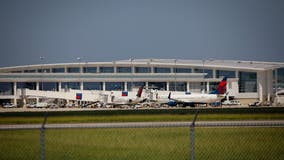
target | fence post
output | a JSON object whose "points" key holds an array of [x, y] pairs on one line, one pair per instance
{"points": [[192, 136], [42, 143]]}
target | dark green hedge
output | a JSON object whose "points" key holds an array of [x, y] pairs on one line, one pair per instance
{"points": [[151, 111]]}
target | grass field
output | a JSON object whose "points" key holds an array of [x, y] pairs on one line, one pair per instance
{"points": [[137, 118], [141, 143], [145, 143]]}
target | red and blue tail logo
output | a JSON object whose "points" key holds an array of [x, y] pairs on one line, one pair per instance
{"points": [[79, 96], [221, 89], [124, 93]]}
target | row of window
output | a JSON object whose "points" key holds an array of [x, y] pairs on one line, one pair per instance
{"points": [[219, 73], [6, 88], [110, 70]]}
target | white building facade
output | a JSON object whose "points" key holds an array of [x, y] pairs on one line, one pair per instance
{"points": [[247, 80]]}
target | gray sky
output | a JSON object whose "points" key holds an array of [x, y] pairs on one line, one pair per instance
{"points": [[107, 30]]}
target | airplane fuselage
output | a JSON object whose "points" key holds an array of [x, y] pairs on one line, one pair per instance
{"points": [[196, 98]]}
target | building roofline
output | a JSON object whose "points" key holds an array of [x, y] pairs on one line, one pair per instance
{"points": [[228, 64]]}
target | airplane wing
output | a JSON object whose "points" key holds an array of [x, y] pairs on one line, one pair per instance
{"points": [[179, 100]]}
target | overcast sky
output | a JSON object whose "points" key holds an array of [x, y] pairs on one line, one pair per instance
{"points": [[108, 30]]}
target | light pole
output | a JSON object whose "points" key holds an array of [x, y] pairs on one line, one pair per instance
{"points": [[79, 61], [203, 86], [149, 67], [175, 70], [131, 69], [80, 81], [41, 61], [80, 72]]}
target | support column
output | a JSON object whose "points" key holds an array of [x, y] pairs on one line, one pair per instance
{"points": [[214, 73], [15, 101], [168, 86], [37, 89], [24, 102], [81, 86], [59, 86], [125, 86], [37, 86], [15, 93], [262, 88], [187, 86], [269, 85], [152, 69], [237, 74], [276, 81], [147, 84], [114, 69], [104, 86], [207, 86], [260, 92], [15, 88]]}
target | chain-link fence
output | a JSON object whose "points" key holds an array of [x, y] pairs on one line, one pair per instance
{"points": [[149, 140]]}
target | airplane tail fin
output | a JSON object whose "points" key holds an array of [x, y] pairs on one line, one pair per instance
{"points": [[139, 93], [221, 89], [169, 97]]}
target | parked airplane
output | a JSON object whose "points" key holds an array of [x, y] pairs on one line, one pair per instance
{"points": [[124, 99], [191, 99]]}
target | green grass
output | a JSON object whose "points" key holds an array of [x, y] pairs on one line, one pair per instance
{"points": [[141, 143], [138, 118], [19, 144], [144, 143], [239, 143]]}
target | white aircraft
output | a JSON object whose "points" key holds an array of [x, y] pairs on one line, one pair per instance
{"points": [[124, 99], [190, 99]]}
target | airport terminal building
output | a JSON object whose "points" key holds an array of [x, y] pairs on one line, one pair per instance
{"points": [[247, 80]]}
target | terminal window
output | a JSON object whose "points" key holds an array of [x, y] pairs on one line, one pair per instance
{"points": [[131, 85], [208, 71], [106, 70], [182, 70], [247, 82], [225, 73], [93, 86], [45, 70], [280, 78], [177, 86], [58, 70], [142, 70], [6, 88], [73, 70], [90, 69], [162, 70], [30, 71], [114, 86], [70, 85], [197, 87], [158, 85], [28, 85], [48, 86], [124, 69]]}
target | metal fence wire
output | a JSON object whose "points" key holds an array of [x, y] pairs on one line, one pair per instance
{"points": [[149, 140]]}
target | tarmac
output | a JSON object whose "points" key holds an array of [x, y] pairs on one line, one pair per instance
{"points": [[3, 110]]}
